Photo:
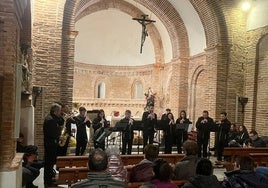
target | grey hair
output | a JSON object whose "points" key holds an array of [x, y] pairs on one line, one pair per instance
{"points": [[54, 107]]}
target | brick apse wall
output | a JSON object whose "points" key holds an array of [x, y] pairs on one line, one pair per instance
{"points": [[232, 64]]}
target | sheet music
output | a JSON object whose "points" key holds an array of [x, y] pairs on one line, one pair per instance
{"points": [[190, 128]]}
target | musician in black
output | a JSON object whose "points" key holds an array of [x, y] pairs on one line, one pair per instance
{"points": [[67, 133], [81, 135], [169, 132], [164, 115], [203, 125], [223, 128], [99, 124], [149, 120], [181, 132], [52, 127], [127, 133]]}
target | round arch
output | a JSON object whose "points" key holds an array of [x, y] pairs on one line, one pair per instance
{"points": [[132, 11]]}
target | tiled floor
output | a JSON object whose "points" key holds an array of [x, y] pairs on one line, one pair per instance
{"points": [[219, 172]]}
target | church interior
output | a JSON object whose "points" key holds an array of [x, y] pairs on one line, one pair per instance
{"points": [[191, 55]]}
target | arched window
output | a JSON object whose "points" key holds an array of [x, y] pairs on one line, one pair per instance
{"points": [[138, 91], [101, 90]]}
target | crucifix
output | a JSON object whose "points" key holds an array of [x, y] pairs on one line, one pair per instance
{"points": [[143, 21]]}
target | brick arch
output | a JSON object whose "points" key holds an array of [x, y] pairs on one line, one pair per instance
{"points": [[192, 90], [67, 52], [173, 23], [132, 11], [260, 81], [170, 19], [212, 18]]}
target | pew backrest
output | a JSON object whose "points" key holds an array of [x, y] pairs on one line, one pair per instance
{"points": [[71, 175], [81, 161], [260, 159], [71, 161], [236, 151]]}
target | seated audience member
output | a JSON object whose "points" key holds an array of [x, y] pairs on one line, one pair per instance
{"points": [[255, 140], [144, 170], [232, 134], [262, 170], [244, 177], [162, 174], [186, 167], [30, 168], [204, 176], [98, 175], [20, 147], [115, 164], [242, 135]]}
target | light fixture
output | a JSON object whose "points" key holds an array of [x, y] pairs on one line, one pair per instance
{"points": [[246, 5]]}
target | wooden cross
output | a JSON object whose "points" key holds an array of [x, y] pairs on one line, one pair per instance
{"points": [[143, 21]]}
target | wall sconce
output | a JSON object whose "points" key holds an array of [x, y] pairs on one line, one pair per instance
{"points": [[37, 90], [243, 101]]}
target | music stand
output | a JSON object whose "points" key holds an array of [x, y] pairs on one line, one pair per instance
{"points": [[120, 126], [103, 135], [183, 126], [138, 126], [161, 124]]}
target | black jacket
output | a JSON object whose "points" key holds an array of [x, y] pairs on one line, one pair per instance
{"points": [[81, 127], [128, 129], [52, 129], [223, 130], [203, 129], [148, 123], [244, 179], [201, 181]]}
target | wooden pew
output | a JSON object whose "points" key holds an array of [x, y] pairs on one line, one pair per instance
{"points": [[81, 161], [261, 159], [236, 151], [171, 158], [138, 184], [131, 159], [71, 175], [71, 161], [135, 159]]}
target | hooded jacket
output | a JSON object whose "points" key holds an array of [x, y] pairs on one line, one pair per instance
{"points": [[201, 181], [244, 179]]}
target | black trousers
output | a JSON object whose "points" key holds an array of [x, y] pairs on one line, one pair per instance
{"points": [[220, 147], [169, 140], [148, 135], [181, 137], [127, 141], [50, 160], [202, 147], [81, 145]]}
